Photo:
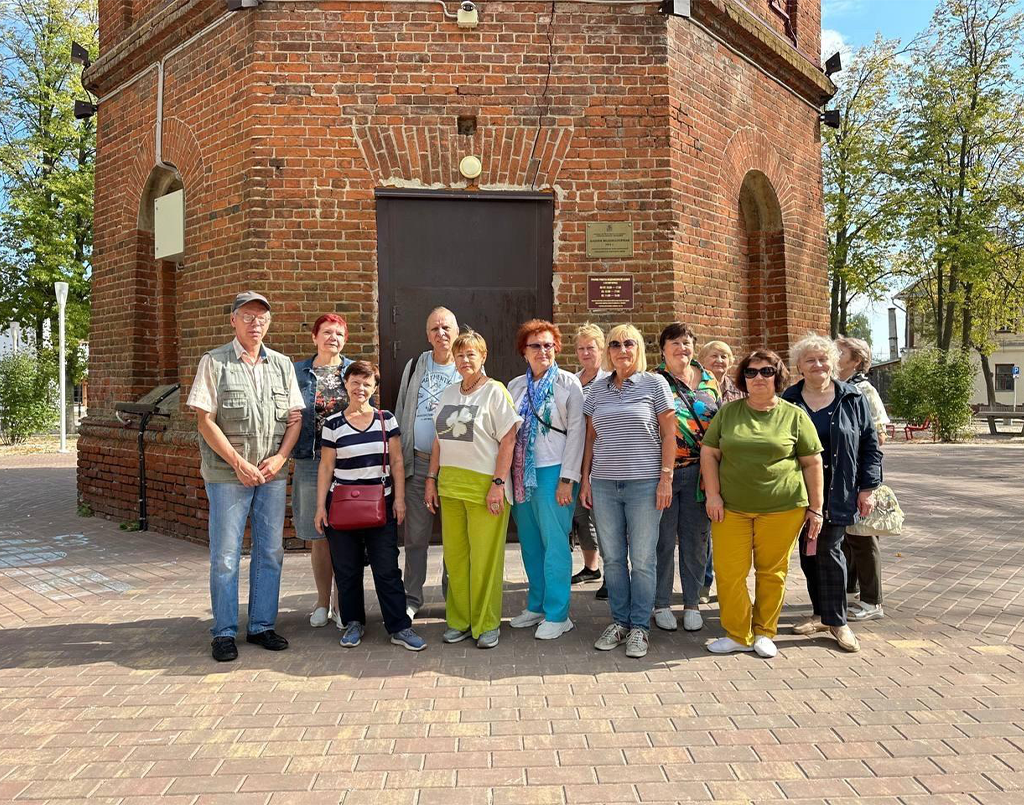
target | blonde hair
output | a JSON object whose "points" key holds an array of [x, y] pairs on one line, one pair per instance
{"points": [[621, 332], [859, 348], [812, 342], [591, 332], [721, 346], [470, 340]]}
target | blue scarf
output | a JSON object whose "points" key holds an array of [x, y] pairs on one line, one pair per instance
{"points": [[538, 397]]}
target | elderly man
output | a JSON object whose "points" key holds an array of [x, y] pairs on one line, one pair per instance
{"points": [[423, 380], [243, 395]]}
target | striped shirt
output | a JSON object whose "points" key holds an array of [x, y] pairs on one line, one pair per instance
{"points": [[628, 443], [361, 455]]}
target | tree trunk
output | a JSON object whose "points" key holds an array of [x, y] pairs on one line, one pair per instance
{"points": [[990, 388], [844, 307], [834, 308]]}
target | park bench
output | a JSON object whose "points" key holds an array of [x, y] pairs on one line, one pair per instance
{"points": [[991, 416], [910, 429]]}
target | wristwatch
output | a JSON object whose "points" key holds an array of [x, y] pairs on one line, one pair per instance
{"points": [[566, 481], [498, 481]]}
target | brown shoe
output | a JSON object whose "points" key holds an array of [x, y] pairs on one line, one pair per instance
{"points": [[845, 637], [809, 626]]}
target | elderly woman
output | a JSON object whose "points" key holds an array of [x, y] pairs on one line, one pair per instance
{"points": [[323, 390], [468, 480], [762, 474], [863, 558], [361, 447], [685, 522], [852, 470], [627, 481], [717, 358], [545, 469], [589, 353]]}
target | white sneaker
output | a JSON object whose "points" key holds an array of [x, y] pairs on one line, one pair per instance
{"points": [[549, 630], [867, 612], [664, 619], [321, 617], [692, 620], [726, 645], [411, 612], [526, 618], [637, 643], [764, 647], [611, 637], [705, 594]]}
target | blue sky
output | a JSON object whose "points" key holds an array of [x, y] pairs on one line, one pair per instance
{"points": [[849, 24]]}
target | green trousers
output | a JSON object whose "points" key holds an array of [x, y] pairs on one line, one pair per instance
{"points": [[474, 555]]}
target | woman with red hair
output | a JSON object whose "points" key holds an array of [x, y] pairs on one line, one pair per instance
{"points": [[323, 390]]}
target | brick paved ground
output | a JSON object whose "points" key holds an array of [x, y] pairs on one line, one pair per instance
{"points": [[108, 694]]}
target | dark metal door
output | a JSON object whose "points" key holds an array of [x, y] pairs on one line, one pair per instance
{"points": [[486, 256]]}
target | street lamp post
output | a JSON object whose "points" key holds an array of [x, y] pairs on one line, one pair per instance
{"points": [[61, 289]]}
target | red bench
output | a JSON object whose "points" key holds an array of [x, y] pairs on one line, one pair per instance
{"points": [[911, 429]]}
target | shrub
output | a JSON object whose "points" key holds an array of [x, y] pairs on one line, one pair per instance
{"points": [[936, 385], [28, 403]]}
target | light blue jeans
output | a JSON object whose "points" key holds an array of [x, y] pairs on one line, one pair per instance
{"points": [[684, 522], [544, 540], [627, 531], [231, 504]]}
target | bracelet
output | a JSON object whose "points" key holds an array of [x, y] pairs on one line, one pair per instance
{"points": [[816, 514], [431, 477]]}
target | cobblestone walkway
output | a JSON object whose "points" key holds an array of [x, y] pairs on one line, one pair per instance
{"points": [[108, 694]]}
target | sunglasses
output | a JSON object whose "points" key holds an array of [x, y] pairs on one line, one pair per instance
{"points": [[629, 343], [764, 371]]}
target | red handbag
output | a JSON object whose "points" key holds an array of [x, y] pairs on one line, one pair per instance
{"points": [[356, 506]]}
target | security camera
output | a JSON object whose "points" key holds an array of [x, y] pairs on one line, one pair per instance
{"points": [[468, 16]]}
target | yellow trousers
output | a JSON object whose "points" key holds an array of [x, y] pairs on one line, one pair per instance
{"points": [[766, 542]]}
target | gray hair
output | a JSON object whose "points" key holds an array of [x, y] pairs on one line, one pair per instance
{"points": [[812, 342], [859, 348]]}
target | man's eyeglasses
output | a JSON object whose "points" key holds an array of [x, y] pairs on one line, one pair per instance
{"points": [[764, 371], [629, 343], [249, 318], [541, 347]]}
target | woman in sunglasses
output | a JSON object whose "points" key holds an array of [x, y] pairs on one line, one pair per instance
{"points": [[853, 470], [545, 469], [627, 480], [762, 475]]}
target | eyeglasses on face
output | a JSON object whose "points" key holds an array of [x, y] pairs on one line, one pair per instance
{"points": [[541, 347], [249, 318], [629, 343], [764, 371]]}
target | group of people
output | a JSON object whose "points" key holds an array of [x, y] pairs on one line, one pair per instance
{"points": [[727, 470]]}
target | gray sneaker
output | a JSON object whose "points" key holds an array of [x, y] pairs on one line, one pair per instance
{"points": [[637, 643], [612, 637], [455, 635], [488, 639]]}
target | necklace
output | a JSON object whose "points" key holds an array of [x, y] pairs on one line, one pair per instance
{"points": [[476, 383]]}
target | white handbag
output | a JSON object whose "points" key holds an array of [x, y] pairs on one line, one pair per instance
{"points": [[885, 520]]}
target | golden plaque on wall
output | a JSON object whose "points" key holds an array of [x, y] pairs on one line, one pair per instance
{"points": [[610, 239]]}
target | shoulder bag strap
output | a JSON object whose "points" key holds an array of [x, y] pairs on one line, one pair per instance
{"points": [[536, 416], [681, 393], [384, 452]]}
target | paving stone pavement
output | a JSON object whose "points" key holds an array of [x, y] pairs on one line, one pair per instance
{"points": [[108, 694]]}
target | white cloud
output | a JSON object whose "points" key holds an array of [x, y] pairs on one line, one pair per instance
{"points": [[832, 41]]}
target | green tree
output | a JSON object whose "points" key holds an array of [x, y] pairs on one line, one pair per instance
{"points": [[859, 326], [934, 385], [46, 165], [28, 398], [862, 197]]}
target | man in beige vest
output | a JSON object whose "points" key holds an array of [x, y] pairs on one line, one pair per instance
{"points": [[242, 395]]}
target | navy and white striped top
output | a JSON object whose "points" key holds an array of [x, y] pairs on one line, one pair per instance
{"points": [[628, 443], [361, 456]]}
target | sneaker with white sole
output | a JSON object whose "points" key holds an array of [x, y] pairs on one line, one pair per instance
{"points": [[705, 594], [637, 643], [664, 619], [320, 616], [550, 630], [764, 647], [353, 635], [726, 645], [612, 637], [692, 620], [526, 618], [867, 612], [488, 639], [455, 635], [408, 639]]}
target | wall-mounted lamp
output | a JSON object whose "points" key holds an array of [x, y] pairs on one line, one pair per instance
{"points": [[84, 109], [831, 118], [833, 65], [468, 16], [79, 55]]}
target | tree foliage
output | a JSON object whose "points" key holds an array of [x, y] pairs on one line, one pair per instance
{"points": [[936, 385], [28, 398], [46, 165]]}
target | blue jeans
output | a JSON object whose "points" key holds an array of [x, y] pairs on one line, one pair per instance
{"points": [[231, 504], [544, 540], [627, 529], [684, 522], [304, 481]]}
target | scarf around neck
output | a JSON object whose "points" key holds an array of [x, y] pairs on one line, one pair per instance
{"points": [[538, 397]]}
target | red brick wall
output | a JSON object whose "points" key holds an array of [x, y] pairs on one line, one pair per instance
{"points": [[283, 121]]}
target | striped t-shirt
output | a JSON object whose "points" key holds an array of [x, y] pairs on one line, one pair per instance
{"points": [[628, 443], [361, 455]]}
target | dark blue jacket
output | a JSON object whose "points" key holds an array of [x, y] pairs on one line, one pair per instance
{"points": [[856, 458], [308, 445]]}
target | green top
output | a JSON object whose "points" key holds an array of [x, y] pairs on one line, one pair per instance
{"points": [[760, 468]]}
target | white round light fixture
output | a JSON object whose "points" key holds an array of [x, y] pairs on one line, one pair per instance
{"points": [[470, 167]]}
